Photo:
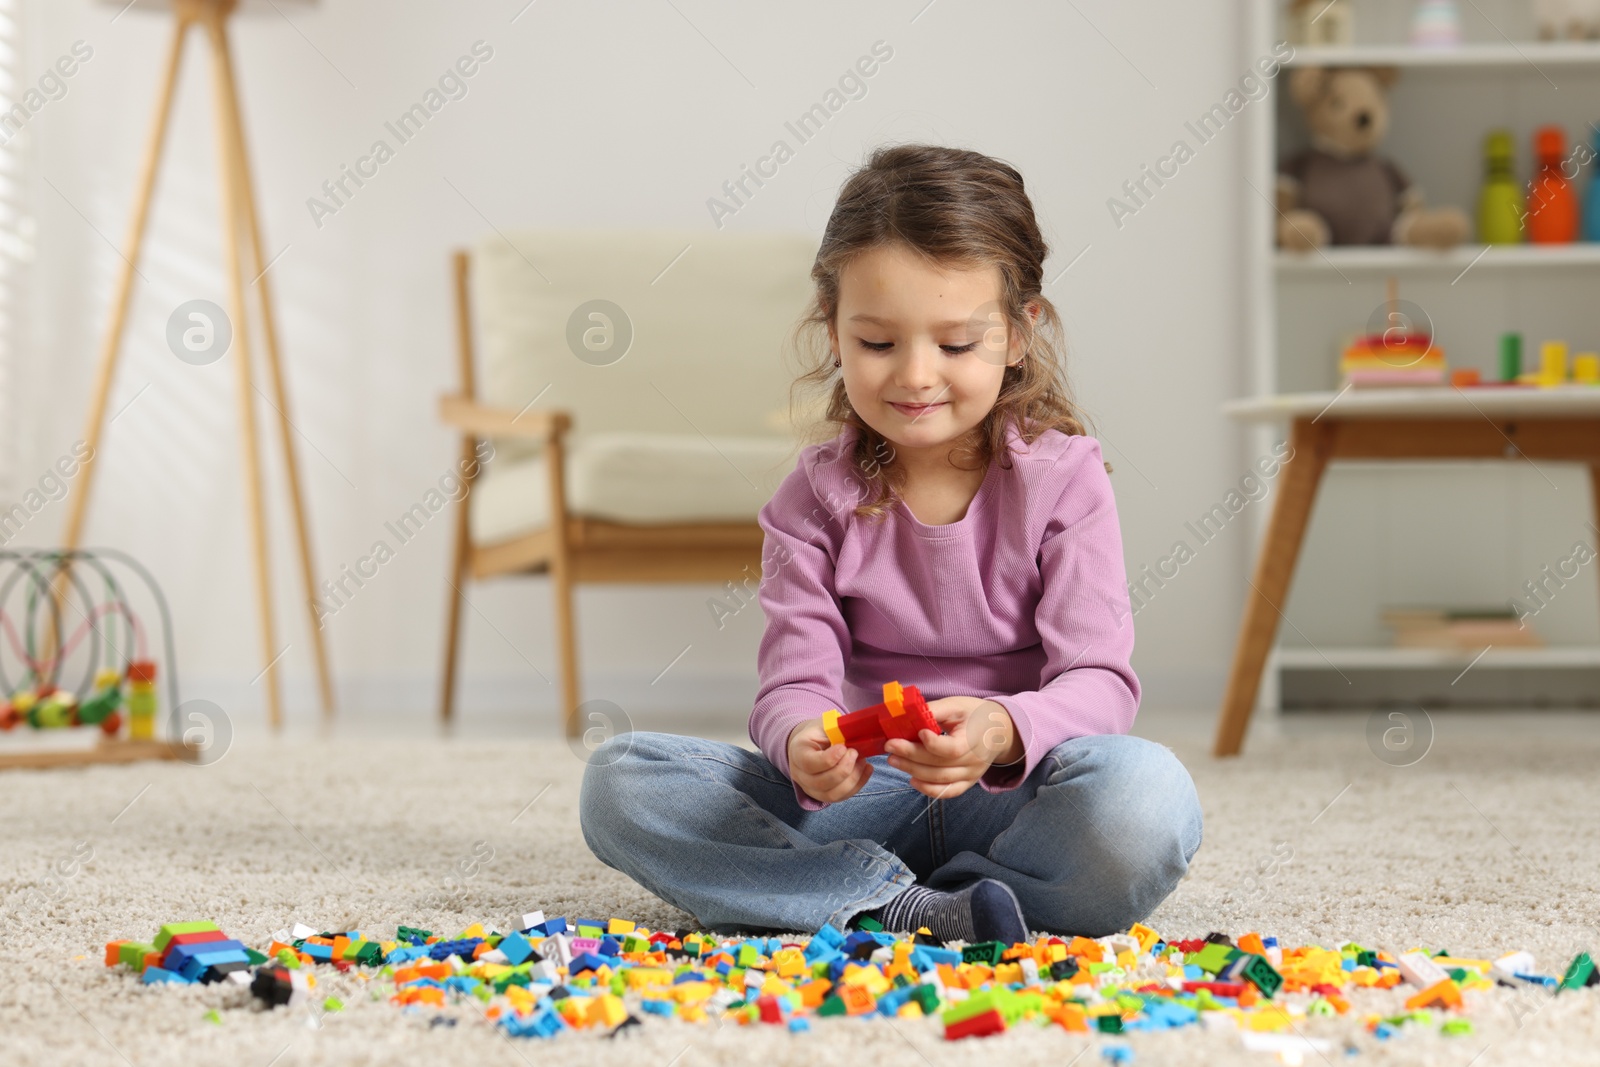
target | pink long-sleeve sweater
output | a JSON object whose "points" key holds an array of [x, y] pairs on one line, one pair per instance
{"points": [[1023, 600]]}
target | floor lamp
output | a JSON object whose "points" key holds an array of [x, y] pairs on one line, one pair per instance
{"points": [[241, 231]]}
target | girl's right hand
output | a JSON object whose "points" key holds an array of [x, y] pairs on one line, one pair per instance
{"points": [[825, 771]]}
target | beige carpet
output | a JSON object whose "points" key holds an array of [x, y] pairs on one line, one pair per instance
{"points": [[1488, 844]]}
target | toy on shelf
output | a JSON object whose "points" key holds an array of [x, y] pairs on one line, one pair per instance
{"points": [[1510, 358], [67, 623], [1500, 206], [1341, 190], [1591, 197], [1399, 354], [1552, 204], [903, 714], [1573, 20], [1436, 24], [1321, 23]]}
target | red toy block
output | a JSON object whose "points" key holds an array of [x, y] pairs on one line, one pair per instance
{"points": [[903, 714], [190, 939], [980, 1025]]}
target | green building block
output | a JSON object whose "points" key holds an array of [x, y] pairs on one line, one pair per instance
{"points": [[212, 1017], [1456, 1027], [133, 953], [333, 1004], [1580, 972], [867, 922], [832, 1005], [171, 930], [1213, 958], [1108, 1024], [988, 952], [1265, 977]]}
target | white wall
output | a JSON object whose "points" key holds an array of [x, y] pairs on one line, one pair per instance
{"points": [[603, 114]]}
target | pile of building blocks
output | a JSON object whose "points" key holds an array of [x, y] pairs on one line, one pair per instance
{"points": [[550, 976]]}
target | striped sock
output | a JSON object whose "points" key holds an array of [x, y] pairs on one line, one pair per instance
{"points": [[986, 910]]}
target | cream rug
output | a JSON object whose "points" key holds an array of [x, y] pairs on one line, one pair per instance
{"points": [[1489, 843]]}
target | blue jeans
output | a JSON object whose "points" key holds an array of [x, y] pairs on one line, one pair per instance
{"points": [[1091, 841]]}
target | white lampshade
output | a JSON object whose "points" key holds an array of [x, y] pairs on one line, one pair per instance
{"points": [[245, 7]]}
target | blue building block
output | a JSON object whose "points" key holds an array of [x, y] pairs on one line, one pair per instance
{"points": [[799, 1025], [406, 953], [543, 1023], [827, 937], [515, 947], [197, 966], [178, 955], [152, 975]]}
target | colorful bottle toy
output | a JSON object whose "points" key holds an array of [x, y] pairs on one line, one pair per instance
{"points": [[1500, 201], [1552, 205]]}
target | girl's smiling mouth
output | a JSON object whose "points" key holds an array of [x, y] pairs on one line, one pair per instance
{"points": [[915, 410]]}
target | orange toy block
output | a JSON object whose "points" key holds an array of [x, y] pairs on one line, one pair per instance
{"points": [[902, 714], [1088, 948], [1442, 994]]}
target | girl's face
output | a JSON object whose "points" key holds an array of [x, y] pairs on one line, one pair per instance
{"points": [[922, 349]]}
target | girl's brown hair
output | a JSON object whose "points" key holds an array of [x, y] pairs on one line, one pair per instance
{"points": [[958, 209]]}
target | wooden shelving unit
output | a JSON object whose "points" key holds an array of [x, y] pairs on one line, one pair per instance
{"points": [[1426, 532]]}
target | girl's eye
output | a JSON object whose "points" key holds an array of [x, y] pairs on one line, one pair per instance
{"points": [[884, 346]]}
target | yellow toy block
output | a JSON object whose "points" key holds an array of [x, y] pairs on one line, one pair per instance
{"points": [[640, 977], [790, 962], [607, 1011], [1144, 935], [1269, 1018], [690, 993], [620, 926]]}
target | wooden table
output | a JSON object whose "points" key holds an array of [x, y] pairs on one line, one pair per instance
{"points": [[1442, 422]]}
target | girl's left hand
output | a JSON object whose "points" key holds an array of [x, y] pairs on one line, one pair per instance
{"points": [[977, 734]]}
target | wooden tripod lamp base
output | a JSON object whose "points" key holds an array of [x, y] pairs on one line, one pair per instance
{"points": [[241, 234]]}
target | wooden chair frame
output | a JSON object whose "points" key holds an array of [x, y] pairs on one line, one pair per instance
{"points": [[572, 549]]}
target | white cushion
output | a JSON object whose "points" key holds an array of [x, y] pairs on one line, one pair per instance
{"points": [[634, 477], [711, 314]]}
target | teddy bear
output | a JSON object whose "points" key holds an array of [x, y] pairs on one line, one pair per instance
{"points": [[1340, 191], [1575, 19]]}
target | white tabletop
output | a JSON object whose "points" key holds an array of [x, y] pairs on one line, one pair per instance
{"points": [[1440, 401]]}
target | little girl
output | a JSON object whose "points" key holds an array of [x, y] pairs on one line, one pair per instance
{"points": [[958, 534]]}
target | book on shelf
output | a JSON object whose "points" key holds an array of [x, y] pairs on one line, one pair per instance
{"points": [[1459, 628]]}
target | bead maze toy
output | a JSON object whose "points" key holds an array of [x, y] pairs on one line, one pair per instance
{"points": [[67, 626], [903, 714]]}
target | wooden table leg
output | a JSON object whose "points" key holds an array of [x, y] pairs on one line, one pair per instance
{"points": [[1297, 491], [1594, 493]]}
